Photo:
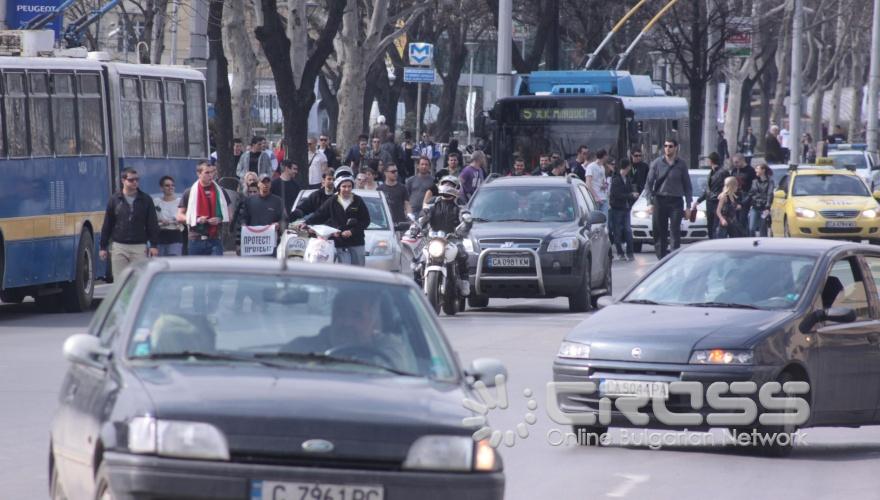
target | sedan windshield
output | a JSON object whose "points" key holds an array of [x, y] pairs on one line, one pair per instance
{"points": [[829, 185], [850, 160], [377, 213], [524, 204], [749, 280], [325, 323]]}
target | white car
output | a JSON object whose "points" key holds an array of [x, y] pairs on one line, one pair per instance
{"points": [[383, 248], [854, 157], [641, 220]]}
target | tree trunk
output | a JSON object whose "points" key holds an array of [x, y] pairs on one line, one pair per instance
{"points": [[350, 53], [766, 98], [837, 89], [697, 94], [223, 105], [331, 105], [734, 112], [237, 43], [746, 106], [783, 66], [158, 38], [551, 54], [457, 56], [857, 78]]}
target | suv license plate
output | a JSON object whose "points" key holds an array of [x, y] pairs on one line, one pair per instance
{"points": [[273, 490], [509, 261], [634, 388]]}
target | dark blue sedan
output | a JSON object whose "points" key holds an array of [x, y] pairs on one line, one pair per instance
{"points": [[237, 379]]}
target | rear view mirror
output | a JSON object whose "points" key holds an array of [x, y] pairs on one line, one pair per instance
{"points": [[779, 193], [604, 301], [839, 315], [485, 370], [286, 296], [84, 349], [597, 217], [876, 195]]}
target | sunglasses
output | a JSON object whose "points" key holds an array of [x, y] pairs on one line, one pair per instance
{"points": [[323, 139], [132, 179], [391, 171], [669, 145]]}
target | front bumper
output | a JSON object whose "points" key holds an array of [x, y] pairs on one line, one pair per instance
{"points": [[551, 274], [141, 477], [818, 227], [643, 231], [597, 370]]}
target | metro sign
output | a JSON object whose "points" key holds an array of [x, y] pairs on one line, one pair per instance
{"points": [[421, 54]]}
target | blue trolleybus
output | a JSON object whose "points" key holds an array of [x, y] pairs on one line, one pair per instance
{"points": [[68, 126], [557, 111]]}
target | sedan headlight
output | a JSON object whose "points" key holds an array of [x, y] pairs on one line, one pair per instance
{"points": [[563, 244], [701, 214], [805, 213], [177, 439], [870, 213], [449, 453], [574, 350], [468, 245], [436, 248], [641, 214], [381, 248], [722, 357]]}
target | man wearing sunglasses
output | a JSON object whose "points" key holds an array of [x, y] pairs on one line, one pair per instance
{"points": [[639, 170], [668, 182], [130, 222]]}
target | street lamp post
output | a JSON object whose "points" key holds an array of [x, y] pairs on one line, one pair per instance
{"points": [[472, 49], [505, 49], [874, 82]]}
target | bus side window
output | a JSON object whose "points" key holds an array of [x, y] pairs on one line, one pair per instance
{"points": [[16, 114], [195, 119], [91, 113], [153, 131], [175, 130], [40, 126], [64, 114], [131, 117]]}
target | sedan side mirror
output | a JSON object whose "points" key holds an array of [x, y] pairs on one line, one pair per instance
{"points": [[604, 301], [597, 217], [485, 370], [838, 315], [779, 193], [876, 195], [84, 349]]}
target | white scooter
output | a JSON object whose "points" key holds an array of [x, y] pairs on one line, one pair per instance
{"points": [[310, 244]]}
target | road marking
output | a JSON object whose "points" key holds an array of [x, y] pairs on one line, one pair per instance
{"points": [[630, 482]]}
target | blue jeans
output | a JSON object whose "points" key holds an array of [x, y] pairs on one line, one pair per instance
{"points": [[170, 249], [757, 224], [355, 256], [205, 247], [622, 230]]}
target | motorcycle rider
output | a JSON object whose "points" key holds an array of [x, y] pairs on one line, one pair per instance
{"points": [[444, 214]]}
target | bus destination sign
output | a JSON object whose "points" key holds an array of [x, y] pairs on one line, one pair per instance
{"points": [[557, 114]]}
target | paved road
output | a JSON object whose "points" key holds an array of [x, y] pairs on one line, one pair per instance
{"points": [[524, 334]]}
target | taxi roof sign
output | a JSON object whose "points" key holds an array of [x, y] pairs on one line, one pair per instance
{"points": [[825, 161]]}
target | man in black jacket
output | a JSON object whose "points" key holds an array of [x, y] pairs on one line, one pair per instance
{"points": [[263, 209], [444, 214], [348, 213], [621, 200], [668, 182], [639, 171], [714, 186], [130, 221], [314, 200]]}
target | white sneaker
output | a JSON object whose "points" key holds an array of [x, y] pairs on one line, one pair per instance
{"points": [[465, 286]]}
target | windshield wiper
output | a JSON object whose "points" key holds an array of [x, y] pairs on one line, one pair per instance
{"points": [[517, 220], [731, 305], [324, 358], [480, 219], [211, 356], [643, 301]]}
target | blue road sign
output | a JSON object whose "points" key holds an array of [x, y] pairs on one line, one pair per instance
{"points": [[421, 54], [418, 75]]}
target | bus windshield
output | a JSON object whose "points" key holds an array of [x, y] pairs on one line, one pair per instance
{"points": [[529, 141]]}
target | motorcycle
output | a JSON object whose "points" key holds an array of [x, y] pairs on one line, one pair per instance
{"points": [[411, 244], [440, 278]]}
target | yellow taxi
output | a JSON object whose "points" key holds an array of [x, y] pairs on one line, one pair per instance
{"points": [[825, 203]]}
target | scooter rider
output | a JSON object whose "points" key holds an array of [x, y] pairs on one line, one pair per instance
{"points": [[444, 214], [348, 212]]}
